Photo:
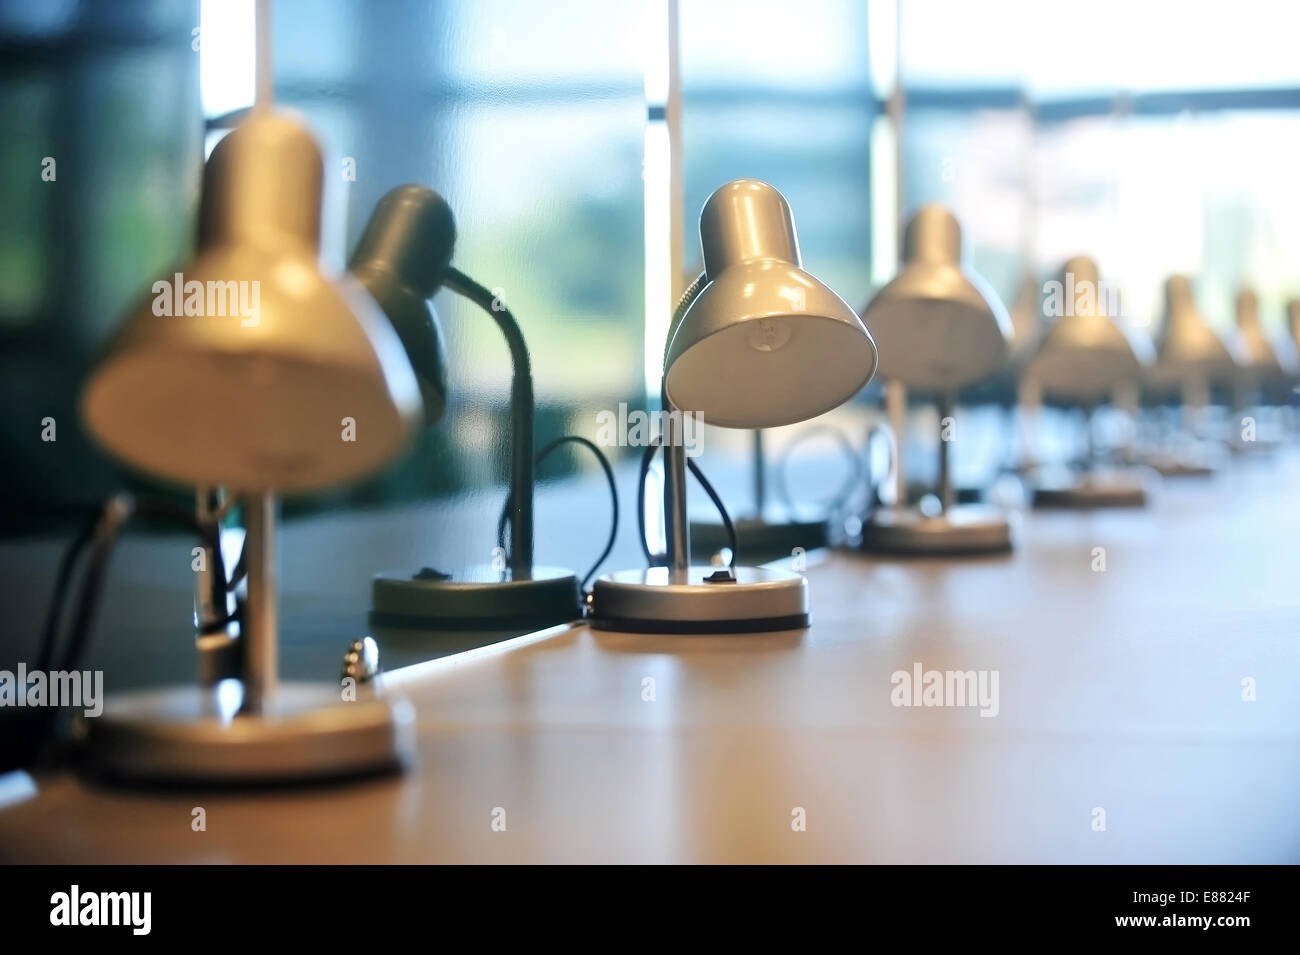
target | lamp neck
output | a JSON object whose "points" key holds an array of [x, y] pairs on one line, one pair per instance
{"points": [[744, 221], [933, 235], [521, 419], [1247, 310], [262, 186], [1179, 305], [260, 636], [677, 529], [411, 234]]}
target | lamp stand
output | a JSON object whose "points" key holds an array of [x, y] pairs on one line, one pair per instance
{"points": [[517, 596], [967, 529], [254, 729], [760, 538], [685, 599], [1092, 486], [1195, 457]]}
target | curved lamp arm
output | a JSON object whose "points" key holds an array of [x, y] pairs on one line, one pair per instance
{"points": [[521, 419], [677, 528]]}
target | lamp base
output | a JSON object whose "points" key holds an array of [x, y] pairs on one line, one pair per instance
{"points": [[196, 734], [1089, 491], [760, 540], [963, 530], [1260, 446], [1177, 466], [757, 600], [478, 598]]}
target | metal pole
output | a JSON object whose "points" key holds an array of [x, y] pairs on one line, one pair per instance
{"points": [[677, 527], [1089, 439], [896, 409], [945, 474], [259, 633], [521, 472], [760, 475]]}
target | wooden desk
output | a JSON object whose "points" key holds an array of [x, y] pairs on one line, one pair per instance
{"points": [[1118, 689]]}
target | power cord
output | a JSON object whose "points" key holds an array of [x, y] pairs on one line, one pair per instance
{"points": [[660, 560], [840, 500], [100, 537], [27, 731], [613, 499]]}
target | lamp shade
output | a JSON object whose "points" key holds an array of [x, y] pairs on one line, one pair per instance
{"points": [[1187, 345], [939, 325], [764, 343], [400, 259], [302, 385], [1087, 351]]}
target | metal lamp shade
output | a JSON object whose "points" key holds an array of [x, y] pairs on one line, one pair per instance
{"points": [[309, 390], [400, 259], [1254, 351], [764, 343], [1187, 345], [939, 325], [1086, 353]]}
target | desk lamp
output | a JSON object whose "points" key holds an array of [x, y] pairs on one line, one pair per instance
{"points": [[1191, 356], [255, 403], [1085, 355], [403, 258], [940, 328], [756, 342]]}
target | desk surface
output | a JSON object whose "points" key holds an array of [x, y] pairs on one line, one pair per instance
{"points": [[1119, 689]]}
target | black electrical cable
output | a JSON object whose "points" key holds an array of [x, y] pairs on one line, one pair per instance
{"points": [[100, 537], [851, 483], [45, 657], [658, 560], [240, 569], [613, 499]]}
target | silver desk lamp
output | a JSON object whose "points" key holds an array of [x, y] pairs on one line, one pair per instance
{"points": [[940, 328], [1190, 356], [310, 390], [403, 258], [1084, 357], [756, 342]]}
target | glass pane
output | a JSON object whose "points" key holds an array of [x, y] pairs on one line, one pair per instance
{"points": [[533, 131]]}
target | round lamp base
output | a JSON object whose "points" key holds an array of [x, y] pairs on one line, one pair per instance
{"points": [[1121, 489], [1260, 446], [710, 601], [961, 531], [1179, 466], [759, 540], [196, 734], [479, 598]]}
